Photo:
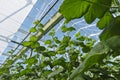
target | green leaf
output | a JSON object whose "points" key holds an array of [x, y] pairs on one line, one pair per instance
{"points": [[97, 9], [66, 39], [114, 42], [48, 42], [112, 30], [33, 38], [65, 29], [36, 22], [41, 30], [77, 35], [55, 72], [72, 9], [25, 71], [44, 64], [101, 7], [64, 43], [40, 25], [73, 56], [52, 45], [71, 29], [52, 32], [105, 20], [35, 44], [9, 61], [61, 51], [75, 9], [81, 38], [79, 77], [46, 72], [40, 49], [89, 16], [31, 60], [49, 53], [86, 49], [78, 43], [62, 47], [33, 29], [56, 40], [26, 43], [96, 55], [60, 61]]}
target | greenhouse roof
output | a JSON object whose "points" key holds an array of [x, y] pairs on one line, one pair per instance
{"points": [[12, 15], [18, 18]]}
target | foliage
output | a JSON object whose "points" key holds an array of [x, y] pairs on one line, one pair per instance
{"points": [[56, 59], [111, 30], [107, 12], [67, 59], [90, 9]]}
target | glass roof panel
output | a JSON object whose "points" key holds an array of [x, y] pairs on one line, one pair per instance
{"points": [[12, 15]]}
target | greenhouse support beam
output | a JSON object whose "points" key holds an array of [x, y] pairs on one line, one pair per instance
{"points": [[48, 26]]}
